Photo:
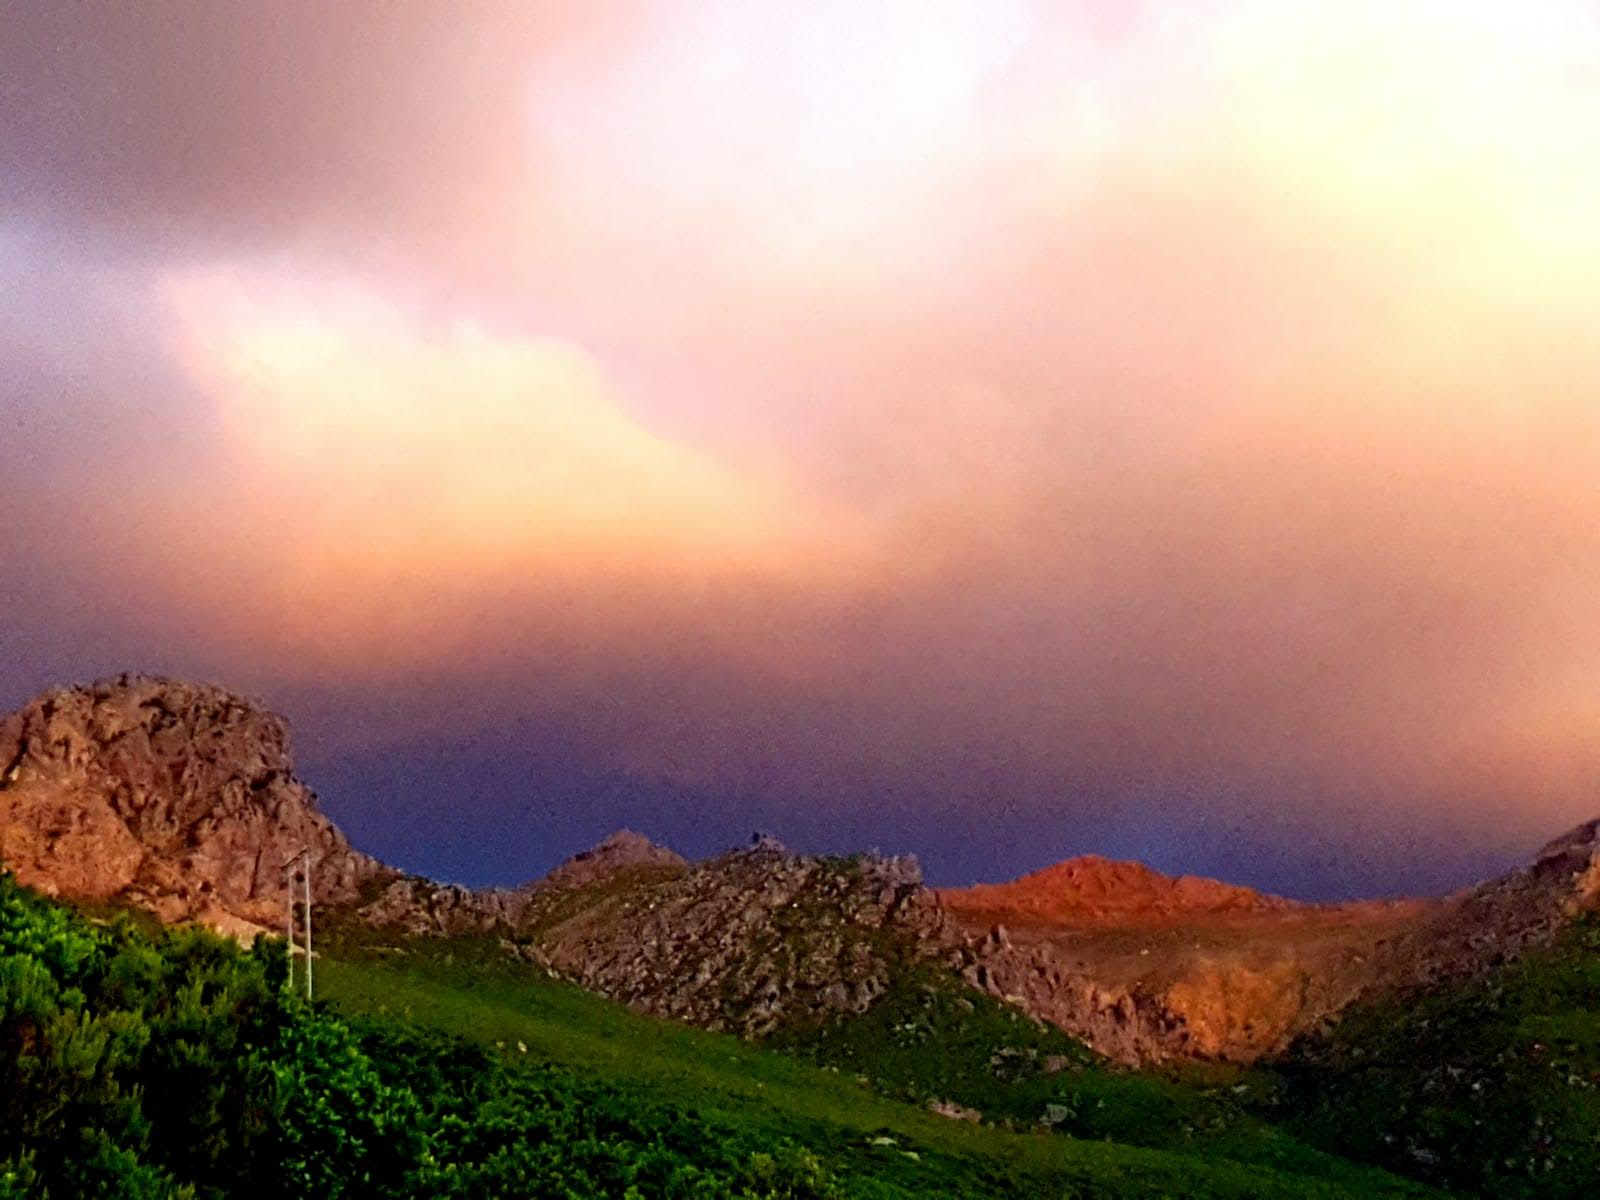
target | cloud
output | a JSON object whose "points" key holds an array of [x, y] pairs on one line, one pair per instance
{"points": [[985, 409], [420, 475]]}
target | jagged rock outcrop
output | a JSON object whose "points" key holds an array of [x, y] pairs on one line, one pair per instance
{"points": [[175, 797], [746, 941]]}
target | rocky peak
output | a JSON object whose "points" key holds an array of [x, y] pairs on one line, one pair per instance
{"points": [[1091, 891], [178, 797], [621, 851], [746, 941], [765, 843]]}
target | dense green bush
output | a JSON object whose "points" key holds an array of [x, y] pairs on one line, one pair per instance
{"points": [[174, 1064], [136, 1065]]}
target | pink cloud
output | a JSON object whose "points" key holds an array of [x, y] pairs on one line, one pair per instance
{"points": [[1105, 391]]}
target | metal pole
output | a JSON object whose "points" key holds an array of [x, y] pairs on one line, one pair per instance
{"points": [[306, 865], [288, 918]]}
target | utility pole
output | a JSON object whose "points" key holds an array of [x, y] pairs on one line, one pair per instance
{"points": [[307, 878], [298, 863], [288, 918]]}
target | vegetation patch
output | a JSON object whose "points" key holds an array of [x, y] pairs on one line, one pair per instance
{"points": [[1490, 1086], [861, 1128], [935, 1042]]}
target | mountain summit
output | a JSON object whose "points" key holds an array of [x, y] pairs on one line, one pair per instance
{"points": [[1093, 891], [621, 852]]}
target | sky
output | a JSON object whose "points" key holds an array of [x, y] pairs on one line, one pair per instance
{"points": [[990, 429]]}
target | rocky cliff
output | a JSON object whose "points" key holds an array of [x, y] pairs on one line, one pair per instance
{"points": [[175, 797]]}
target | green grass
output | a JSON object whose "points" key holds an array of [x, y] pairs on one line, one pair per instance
{"points": [[875, 1144], [933, 1038], [1491, 1087]]}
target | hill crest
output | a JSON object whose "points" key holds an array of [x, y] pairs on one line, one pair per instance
{"points": [[621, 851], [1091, 890]]}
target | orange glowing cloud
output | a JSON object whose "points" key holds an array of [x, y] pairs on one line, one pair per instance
{"points": [[416, 468]]}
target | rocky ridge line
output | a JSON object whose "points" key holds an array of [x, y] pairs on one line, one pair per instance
{"points": [[182, 799], [747, 941]]}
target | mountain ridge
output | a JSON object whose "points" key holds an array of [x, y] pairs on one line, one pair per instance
{"points": [[182, 799]]}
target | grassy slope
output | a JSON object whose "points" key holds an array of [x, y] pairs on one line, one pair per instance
{"points": [[465, 988], [931, 1038], [1492, 1086]]}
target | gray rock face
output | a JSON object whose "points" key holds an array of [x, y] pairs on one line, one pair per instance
{"points": [[743, 942], [176, 797]]}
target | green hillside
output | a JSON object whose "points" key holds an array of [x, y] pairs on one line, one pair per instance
{"points": [[1491, 1087], [1180, 1140], [169, 1063]]}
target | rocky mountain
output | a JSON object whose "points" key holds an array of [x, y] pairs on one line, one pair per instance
{"points": [[746, 941], [1090, 891], [1147, 968], [175, 797], [1236, 987], [182, 799]]}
